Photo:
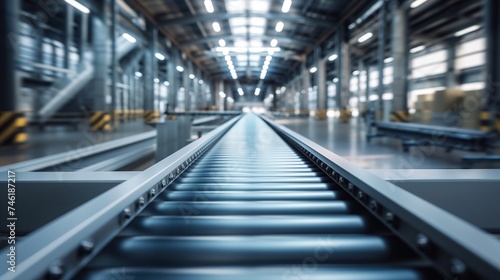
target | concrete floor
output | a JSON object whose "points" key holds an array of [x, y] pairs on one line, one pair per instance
{"points": [[349, 141]]}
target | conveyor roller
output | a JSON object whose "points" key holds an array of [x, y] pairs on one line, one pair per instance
{"points": [[253, 207]]}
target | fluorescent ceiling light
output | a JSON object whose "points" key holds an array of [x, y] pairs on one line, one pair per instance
{"points": [[355, 72], [192, 76], [257, 92], [313, 70], [129, 37], [336, 80], [467, 30], [240, 91], [78, 6], [417, 3], [265, 67], [166, 83], [179, 68], [279, 26], [216, 26], [200, 82], [269, 58], [286, 6], [138, 74], [247, 50], [267, 62], [417, 49], [389, 60], [231, 67], [365, 37], [209, 6], [222, 94], [160, 56], [333, 57], [274, 43], [227, 58], [156, 80], [222, 43]]}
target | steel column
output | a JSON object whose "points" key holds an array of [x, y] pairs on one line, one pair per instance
{"points": [[9, 16], [306, 85], [114, 59], [381, 56], [100, 49], [401, 57], [321, 84], [492, 87], [150, 66], [68, 35], [451, 75]]}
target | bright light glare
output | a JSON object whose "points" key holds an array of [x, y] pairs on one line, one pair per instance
{"points": [[209, 6], [78, 6], [279, 26], [222, 43], [417, 49], [138, 74], [192, 76], [129, 37], [365, 37], [179, 68], [313, 70], [286, 6], [389, 60], [417, 3], [222, 94], [467, 30], [216, 27], [274, 43], [333, 57], [160, 56]]}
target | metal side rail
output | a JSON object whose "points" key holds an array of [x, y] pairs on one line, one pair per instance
{"points": [[107, 156], [448, 137], [252, 200]]}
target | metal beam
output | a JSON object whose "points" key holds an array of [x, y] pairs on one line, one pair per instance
{"points": [[324, 22], [281, 38]]}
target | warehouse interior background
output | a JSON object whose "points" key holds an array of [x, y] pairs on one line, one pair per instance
{"points": [[375, 119], [109, 66]]}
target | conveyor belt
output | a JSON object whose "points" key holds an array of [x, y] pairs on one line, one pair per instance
{"points": [[253, 200], [254, 208]]}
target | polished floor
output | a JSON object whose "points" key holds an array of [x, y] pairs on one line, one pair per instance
{"points": [[349, 141], [346, 140], [59, 139]]}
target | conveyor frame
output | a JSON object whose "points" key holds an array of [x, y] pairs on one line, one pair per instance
{"points": [[434, 234]]}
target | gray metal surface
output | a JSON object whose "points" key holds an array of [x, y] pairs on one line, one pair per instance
{"points": [[97, 221], [253, 200], [212, 226], [409, 216], [471, 195], [84, 157]]}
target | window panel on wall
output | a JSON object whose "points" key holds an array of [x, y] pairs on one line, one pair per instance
{"points": [[473, 46]]}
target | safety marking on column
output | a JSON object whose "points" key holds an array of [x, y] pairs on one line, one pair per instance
{"points": [[100, 121], [13, 128], [400, 116], [485, 121]]}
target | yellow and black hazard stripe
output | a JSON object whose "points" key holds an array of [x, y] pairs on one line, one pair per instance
{"points": [[151, 116], [400, 116], [497, 122], [100, 121], [321, 114], [485, 121], [13, 128], [345, 115]]}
